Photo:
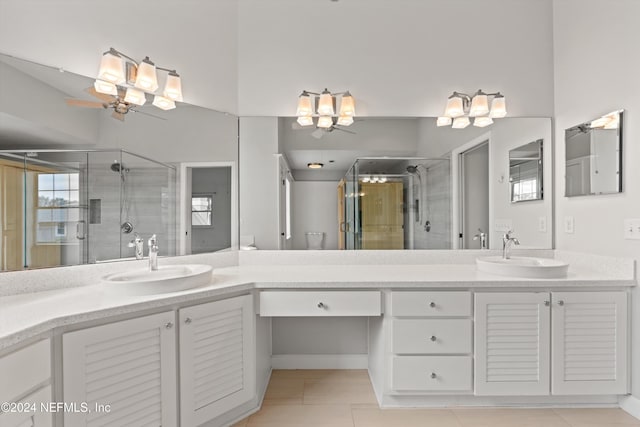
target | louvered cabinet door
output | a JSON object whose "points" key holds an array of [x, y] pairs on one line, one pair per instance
{"points": [[217, 358], [128, 365], [512, 337], [589, 343]]}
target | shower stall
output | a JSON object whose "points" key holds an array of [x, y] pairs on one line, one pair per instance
{"points": [[396, 203], [68, 207]]}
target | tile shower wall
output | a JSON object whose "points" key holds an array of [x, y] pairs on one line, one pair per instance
{"points": [[148, 203], [437, 209]]}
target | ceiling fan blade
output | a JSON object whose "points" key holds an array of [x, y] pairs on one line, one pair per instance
{"points": [[318, 133], [344, 130], [103, 96], [295, 126], [147, 114], [118, 116], [82, 103]]}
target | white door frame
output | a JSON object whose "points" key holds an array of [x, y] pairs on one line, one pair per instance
{"points": [[455, 187], [185, 192]]}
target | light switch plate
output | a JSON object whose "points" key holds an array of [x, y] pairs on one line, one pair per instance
{"points": [[542, 224], [568, 224], [632, 229], [502, 225]]}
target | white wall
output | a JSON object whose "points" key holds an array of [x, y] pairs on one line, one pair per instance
{"points": [[315, 208], [597, 70], [259, 180], [197, 38], [398, 58], [505, 135]]}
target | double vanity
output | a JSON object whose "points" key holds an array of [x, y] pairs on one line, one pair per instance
{"points": [[441, 331]]}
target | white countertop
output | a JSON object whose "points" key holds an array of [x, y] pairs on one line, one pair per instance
{"points": [[25, 316]]}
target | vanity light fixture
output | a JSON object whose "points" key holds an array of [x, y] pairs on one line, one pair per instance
{"points": [[138, 79], [461, 106], [315, 165], [323, 106]]}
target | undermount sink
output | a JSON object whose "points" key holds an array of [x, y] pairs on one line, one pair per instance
{"points": [[527, 267], [167, 278]]}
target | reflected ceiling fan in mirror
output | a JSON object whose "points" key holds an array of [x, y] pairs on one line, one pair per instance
{"points": [[320, 131], [117, 103]]}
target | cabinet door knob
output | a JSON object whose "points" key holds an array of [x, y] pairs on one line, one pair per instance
{"points": [[187, 320], [432, 304], [169, 325], [547, 303], [320, 305], [561, 302], [433, 375], [433, 338]]}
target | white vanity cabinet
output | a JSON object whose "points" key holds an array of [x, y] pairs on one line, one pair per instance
{"points": [[24, 380], [217, 358], [129, 365], [578, 340], [430, 341]]}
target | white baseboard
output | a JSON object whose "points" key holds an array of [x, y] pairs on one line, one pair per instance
{"points": [[631, 404], [319, 361]]}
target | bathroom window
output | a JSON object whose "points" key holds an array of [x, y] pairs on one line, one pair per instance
{"points": [[202, 210], [58, 205]]}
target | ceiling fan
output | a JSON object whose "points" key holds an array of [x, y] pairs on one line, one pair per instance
{"points": [[116, 103], [319, 132]]}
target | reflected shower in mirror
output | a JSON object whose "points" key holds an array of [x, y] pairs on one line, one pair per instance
{"points": [[593, 153], [525, 172]]}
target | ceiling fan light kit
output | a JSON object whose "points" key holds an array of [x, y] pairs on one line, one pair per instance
{"points": [[323, 106], [460, 107]]}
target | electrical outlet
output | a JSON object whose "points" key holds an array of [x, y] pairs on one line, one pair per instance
{"points": [[542, 224], [502, 225], [632, 229], [568, 224]]}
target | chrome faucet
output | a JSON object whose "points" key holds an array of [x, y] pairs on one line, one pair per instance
{"points": [[507, 241], [137, 243], [483, 238], [153, 253]]}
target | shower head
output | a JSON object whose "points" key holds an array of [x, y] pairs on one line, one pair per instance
{"points": [[412, 169], [116, 166]]}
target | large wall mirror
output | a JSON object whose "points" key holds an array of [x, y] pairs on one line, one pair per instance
{"points": [[79, 182], [392, 183], [593, 154]]}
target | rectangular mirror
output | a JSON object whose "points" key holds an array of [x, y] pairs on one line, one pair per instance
{"points": [[526, 173], [593, 153]]}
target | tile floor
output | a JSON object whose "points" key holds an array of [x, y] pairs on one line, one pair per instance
{"points": [[340, 398]]}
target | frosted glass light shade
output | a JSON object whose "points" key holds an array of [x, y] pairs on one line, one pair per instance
{"points": [[146, 77], [304, 105], [135, 96], [443, 121], [163, 103], [173, 87], [479, 105], [325, 122], [454, 107], [111, 68], [345, 120], [305, 120], [325, 104], [105, 87], [482, 121], [498, 107], [347, 105], [460, 122]]}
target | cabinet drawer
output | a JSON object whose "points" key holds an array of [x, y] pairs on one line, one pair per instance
{"points": [[24, 369], [431, 373], [320, 303], [431, 336], [37, 418], [431, 304]]}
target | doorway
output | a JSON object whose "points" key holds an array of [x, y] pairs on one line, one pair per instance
{"points": [[208, 217], [474, 195]]}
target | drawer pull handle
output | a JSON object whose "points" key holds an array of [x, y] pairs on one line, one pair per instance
{"points": [[169, 325], [433, 338], [561, 303], [433, 375], [321, 305], [432, 304], [187, 320]]}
